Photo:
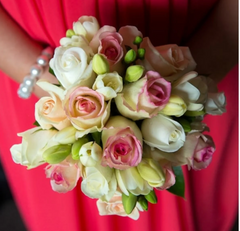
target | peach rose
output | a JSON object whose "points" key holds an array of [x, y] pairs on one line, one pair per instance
{"points": [[86, 109]]}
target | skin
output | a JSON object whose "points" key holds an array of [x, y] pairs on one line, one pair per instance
{"points": [[218, 39]]}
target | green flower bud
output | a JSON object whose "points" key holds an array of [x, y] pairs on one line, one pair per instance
{"points": [[138, 40], [141, 53], [129, 202], [70, 33], [134, 73], [151, 197], [57, 153], [130, 56], [100, 64], [143, 202], [77, 146]]}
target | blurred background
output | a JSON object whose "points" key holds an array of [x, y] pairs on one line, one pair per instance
{"points": [[10, 219]]}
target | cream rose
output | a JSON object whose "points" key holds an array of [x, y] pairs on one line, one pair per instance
{"points": [[49, 110], [29, 152], [71, 66], [86, 109], [115, 207], [163, 133]]}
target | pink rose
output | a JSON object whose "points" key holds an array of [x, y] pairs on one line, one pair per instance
{"points": [[63, 176], [145, 97], [110, 46], [171, 61], [169, 176], [86, 109], [204, 149], [122, 143]]}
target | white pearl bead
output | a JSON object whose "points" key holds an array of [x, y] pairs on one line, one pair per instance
{"points": [[36, 70], [42, 60], [28, 81], [48, 52], [24, 91]]}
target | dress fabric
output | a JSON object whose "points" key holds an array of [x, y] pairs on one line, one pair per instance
{"points": [[211, 194]]}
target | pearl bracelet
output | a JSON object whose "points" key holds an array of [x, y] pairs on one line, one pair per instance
{"points": [[26, 87]]}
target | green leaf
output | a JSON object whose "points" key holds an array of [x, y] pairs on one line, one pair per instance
{"points": [[36, 124], [194, 113], [179, 187], [185, 124], [51, 71], [97, 137], [143, 202]]}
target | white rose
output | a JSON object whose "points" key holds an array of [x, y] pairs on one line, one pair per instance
{"points": [[90, 153], [70, 65], [108, 85], [99, 182], [29, 152], [163, 133]]}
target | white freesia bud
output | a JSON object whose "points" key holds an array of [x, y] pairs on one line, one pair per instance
{"points": [[108, 85], [163, 133], [151, 171], [130, 180], [175, 107], [90, 153], [215, 104], [65, 136]]}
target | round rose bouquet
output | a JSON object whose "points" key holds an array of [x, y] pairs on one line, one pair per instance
{"points": [[124, 119]]}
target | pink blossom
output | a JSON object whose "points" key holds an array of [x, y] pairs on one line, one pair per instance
{"points": [[122, 143], [63, 176]]}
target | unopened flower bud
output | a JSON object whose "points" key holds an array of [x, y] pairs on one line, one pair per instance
{"points": [[57, 153], [143, 202], [66, 135], [141, 53], [100, 64], [134, 73], [129, 202], [175, 107], [77, 146], [151, 171], [151, 197], [70, 33], [138, 40], [130, 56]]}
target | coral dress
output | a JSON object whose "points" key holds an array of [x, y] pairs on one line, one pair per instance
{"points": [[211, 194]]}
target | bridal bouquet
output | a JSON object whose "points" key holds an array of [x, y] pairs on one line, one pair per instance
{"points": [[124, 118]]}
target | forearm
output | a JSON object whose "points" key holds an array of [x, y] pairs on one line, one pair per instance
{"points": [[18, 51], [215, 45]]}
